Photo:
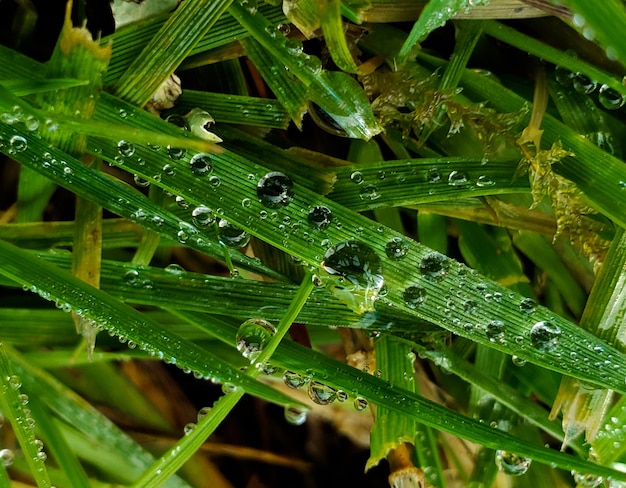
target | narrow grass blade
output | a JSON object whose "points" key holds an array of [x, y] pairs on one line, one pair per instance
{"points": [[335, 36], [25, 87], [12, 406]]}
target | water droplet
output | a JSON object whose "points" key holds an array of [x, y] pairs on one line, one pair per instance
{"points": [[397, 248], [15, 382], [215, 181], [484, 181], [357, 177], [181, 202], [518, 361], [175, 269], [457, 178], [294, 380], [356, 262], [342, 396], [18, 144], [232, 236], [545, 336], [528, 305], [203, 216], [512, 464], [495, 331], [320, 217], [609, 98], [169, 170], [433, 175], [229, 388], [132, 277], [6, 457], [176, 153], [369, 192], [139, 181], [126, 149], [189, 428], [360, 403], [177, 120], [203, 412], [32, 123], [275, 190], [295, 414], [583, 84], [201, 164], [414, 296], [321, 393], [434, 266], [252, 336]]}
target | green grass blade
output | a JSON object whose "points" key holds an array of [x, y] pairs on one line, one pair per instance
{"points": [[335, 37], [182, 31], [25, 87], [13, 408], [123, 321]]}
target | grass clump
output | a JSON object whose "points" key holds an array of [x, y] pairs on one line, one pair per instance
{"points": [[432, 210]]}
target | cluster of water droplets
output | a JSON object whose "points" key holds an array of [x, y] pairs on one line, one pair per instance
{"points": [[608, 97]]}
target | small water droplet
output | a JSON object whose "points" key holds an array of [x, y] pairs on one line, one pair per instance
{"points": [[203, 216], [295, 414], [177, 120], [609, 98], [126, 149], [512, 464], [169, 170], [518, 361], [181, 202], [434, 266], [139, 181], [231, 235], [433, 175], [203, 412], [583, 84], [414, 296], [495, 331], [369, 192], [252, 336], [201, 164], [320, 217], [176, 153], [360, 403], [275, 190], [457, 178], [294, 380], [484, 181], [14, 382], [357, 177], [321, 393], [527, 305], [189, 428], [545, 336], [397, 248], [18, 144]]}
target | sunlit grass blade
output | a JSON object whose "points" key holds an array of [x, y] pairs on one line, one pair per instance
{"points": [[25, 87]]}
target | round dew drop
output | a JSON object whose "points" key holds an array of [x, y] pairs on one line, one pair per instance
{"points": [[201, 164], [583, 84], [397, 248], [176, 153], [294, 380], [356, 262], [528, 305], [252, 337], [6, 457], [126, 149], [495, 331], [512, 464], [203, 216], [434, 266], [587, 480], [232, 236], [275, 190], [320, 217], [414, 296], [360, 403], [545, 336], [609, 98]]}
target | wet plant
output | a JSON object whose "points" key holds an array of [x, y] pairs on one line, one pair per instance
{"points": [[444, 199]]}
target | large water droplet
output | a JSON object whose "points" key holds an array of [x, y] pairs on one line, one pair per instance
{"points": [[356, 262], [231, 235], [414, 296], [434, 266], [295, 414], [545, 336], [609, 98], [176, 153], [512, 464], [275, 190], [321, 393], [457, 178], [397, 248], [528, 305], [252, 336], [6, 457], [320, 217], [357, 177], [18, 144], [201, 164], [360, 403], [587, 480]]}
